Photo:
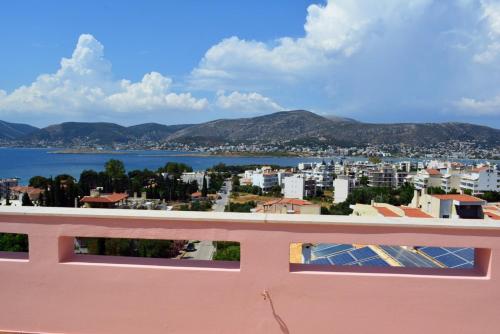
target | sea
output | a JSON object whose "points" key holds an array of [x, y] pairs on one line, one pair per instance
{"points": [[24, 163]]}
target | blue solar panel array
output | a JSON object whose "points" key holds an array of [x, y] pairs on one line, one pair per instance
{"points": [[451, 257], [407, 258], [343, 254]]}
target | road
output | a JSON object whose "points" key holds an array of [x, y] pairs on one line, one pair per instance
{"points": [[205, 249], [220, 204]]}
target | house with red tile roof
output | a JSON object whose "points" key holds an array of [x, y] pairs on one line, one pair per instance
{"points": [[449, 205], [100, 200]]}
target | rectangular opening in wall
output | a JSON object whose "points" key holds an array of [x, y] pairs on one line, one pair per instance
{"points": [[389, 258], [186, 253], [14, 246]]}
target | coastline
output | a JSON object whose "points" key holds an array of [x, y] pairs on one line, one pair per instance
{"points": [[188, 154]]}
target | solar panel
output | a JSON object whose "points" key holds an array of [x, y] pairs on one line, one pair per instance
{"points": [[341, 259], [434, 251], [363, 253], [408, 258], [452, 257], [466, 253], [321, 260], [376, 262], [319, 247], [450, 260], [331, 250]]}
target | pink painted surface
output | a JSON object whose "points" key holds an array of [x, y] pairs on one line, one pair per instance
{"points": [[55, 292]]}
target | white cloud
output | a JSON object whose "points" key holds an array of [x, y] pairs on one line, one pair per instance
{"points": [[151, 93], [246, 102], [84, 83], [491, 15], [332, 32], [490, 107]]}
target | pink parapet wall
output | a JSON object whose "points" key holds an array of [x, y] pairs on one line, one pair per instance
{"points": [[54, 291]]}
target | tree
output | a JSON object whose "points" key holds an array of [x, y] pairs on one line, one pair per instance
{"points": [[363, 180], [115, 169], [204, 188], [7, 197], [38, 182], [26, 201], [11, 242], [89, 179]]}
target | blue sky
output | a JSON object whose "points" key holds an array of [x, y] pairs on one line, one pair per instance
{"points": [[191, 61]]}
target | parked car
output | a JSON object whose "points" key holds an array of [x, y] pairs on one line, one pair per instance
{"points": [[190, 247]]}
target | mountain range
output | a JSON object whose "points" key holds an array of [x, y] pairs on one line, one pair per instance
{"points": [[296, 126]]}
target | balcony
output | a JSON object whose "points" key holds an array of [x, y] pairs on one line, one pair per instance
{"points": [[51, 289]]}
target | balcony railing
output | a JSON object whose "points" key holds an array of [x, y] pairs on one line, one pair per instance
{"points": [[53, 290]]}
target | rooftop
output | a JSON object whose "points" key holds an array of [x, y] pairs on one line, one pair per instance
{"points": [[460, 198], [105, 198], [414, 212]]}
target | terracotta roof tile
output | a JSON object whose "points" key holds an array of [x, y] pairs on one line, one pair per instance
{"points": [[459, 197], [415, 212], [386, 212], [105, 198]]}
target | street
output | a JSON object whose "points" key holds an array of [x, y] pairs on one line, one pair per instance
{"points": [[205, 249], [220, 204]]}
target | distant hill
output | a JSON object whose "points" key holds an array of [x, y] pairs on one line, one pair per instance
{"points": [[12, 131], [154, 131], [296, 126], [301, 125]]}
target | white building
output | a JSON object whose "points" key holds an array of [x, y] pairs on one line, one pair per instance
{"points": [[322, 174], [480, 179], [265, 181], [427, 178], [298, 186], [343, 186], [188, 177]]}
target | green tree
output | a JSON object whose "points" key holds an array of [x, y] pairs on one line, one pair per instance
{"points": [[38, 182], [26, 201], [227, 251], [240, 207], [11, 242], [7, 197], [204, 188], [363, 180], [115, 169], [89, 179]]}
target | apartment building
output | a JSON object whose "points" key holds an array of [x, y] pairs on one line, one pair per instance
{"points": [[298, 186], [449, 205], [6, 184], [343, 186], [426, 178], [478, 180], [265, 180], [322, 174]]}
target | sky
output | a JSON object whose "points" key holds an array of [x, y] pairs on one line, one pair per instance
{"points": [[187, 61]]}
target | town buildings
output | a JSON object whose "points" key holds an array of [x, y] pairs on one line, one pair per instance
{"points": [[188, 177], [6, 184], [342, 187], [298, 186]]}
